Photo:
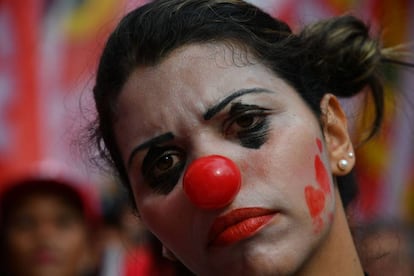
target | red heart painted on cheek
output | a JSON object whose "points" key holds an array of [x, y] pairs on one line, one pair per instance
{"points": [[322, 176], [315, 199], [319, 144]]}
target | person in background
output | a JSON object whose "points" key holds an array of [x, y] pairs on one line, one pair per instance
{"points": [[47, 225]]}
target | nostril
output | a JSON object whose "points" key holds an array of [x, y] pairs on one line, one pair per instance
{"points": [[212, 182]]}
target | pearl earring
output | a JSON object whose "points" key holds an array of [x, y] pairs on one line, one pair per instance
{"points": [[351, 154], [343, 164]]}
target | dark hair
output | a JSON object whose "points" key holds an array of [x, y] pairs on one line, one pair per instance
{"points": [[335, 55]]}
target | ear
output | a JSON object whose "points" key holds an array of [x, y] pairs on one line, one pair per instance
{"points": [[168, 254], [337, 139]]}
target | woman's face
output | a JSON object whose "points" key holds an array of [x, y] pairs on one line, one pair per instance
{"points": [[46, 235], [204, 100]]}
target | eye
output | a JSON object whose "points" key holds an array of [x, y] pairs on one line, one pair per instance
{"points": [[248, 124], [165, 163], [162, 168], [244, 123]]}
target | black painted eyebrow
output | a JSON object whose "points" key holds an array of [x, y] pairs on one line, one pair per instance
{"points": [[156, 140], [212, 111]]}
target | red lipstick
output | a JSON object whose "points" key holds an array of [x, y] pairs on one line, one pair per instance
{"points": [[237, 225]]}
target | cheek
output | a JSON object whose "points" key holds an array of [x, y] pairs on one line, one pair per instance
{"points": [[20, 243], [75, 238], [160, 215], [284, 164], [322, 176], [318, 193], [249, 163], [315, 200], [19, 248]]}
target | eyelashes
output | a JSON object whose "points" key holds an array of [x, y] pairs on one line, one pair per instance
{"points": [[246, 124], [162, 168]]}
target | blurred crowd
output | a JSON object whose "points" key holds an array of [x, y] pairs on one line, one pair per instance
{"points": [[54, 224]]}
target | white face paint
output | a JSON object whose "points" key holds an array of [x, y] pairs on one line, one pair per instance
{"points": [[268, 131]]}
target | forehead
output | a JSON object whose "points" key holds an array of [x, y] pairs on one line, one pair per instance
{"points": [[190, 67], [173, 95], [192, 77]]}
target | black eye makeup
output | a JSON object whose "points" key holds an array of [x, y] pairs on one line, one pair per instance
{"points": [[247, 123], [162, 168]]}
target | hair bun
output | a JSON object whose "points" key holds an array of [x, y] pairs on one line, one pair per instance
{"points": [[341, 52]]}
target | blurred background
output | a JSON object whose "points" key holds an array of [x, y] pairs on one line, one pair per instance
{"points": [[48, 56]]}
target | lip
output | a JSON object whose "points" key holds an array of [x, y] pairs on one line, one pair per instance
{"points": [[238, 225]]}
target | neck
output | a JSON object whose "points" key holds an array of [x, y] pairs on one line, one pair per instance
{"points": [[337, 255]]}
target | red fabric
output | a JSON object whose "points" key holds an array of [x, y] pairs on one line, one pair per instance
{"points": [[138, 262], [141, 262], [21, 116]]}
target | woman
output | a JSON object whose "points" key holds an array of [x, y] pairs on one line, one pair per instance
{"points": [[227, 131]]}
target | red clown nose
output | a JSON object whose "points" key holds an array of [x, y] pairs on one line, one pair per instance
{"points": [[212, 182]]}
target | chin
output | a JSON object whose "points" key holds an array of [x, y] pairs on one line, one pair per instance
{"points": [[268, 260], [252, 258]]}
